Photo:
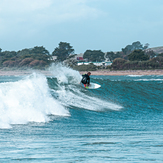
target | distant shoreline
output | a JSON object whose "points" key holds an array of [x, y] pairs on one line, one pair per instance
{"points": [[126, 72], [100, 72]]}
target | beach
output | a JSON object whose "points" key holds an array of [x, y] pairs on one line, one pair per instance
{"points": [[99, 72], [126, 72]]}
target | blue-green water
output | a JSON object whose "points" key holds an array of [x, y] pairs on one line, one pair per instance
{"points": [[54, 119]]}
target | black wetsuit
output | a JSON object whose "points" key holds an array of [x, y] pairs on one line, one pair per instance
{"points": [[85, 79]]}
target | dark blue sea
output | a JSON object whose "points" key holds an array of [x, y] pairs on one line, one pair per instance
{"points": [[46, 119]]}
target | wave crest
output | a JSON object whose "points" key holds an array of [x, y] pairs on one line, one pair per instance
{"points": [[28, 100]]}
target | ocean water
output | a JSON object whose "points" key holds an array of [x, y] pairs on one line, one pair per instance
{"points": [[53, 119]]}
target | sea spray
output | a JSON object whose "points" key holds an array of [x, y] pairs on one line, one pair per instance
{"points": [[70, 93], [27, 100], [65, 74]]}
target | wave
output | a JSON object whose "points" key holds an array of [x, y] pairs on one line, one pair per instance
{"points": [[28, 100], [135, 75], [85, 100], [70, 94], [64, 74], [34, 97], [148, 80]]}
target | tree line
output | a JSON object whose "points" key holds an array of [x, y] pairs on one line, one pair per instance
{"points": [[134, 56], [37, 57], [138, 60]]}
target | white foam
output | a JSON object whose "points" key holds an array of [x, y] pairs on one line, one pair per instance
{"points": [[149, 80], [72, 95], [65, 74], [26, 101], [135, 75], [80, 99]]}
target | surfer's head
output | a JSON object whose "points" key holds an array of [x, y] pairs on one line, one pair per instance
{"points": [[89, 73]]}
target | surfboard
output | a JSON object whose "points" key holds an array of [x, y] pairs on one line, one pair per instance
{"points": [[92, 86]]}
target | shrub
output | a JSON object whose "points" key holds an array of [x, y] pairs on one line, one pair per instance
{"points": [[12, 63], [34, 63], [130, 65], [6, 63], [90, 67], [25, 62], [156, 62], [118, 63], [42, 63]]}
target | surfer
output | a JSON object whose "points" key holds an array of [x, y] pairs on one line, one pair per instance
{"points": [[86, 79]]}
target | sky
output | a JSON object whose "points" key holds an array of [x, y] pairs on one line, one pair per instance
{"points": [[106, 25]]}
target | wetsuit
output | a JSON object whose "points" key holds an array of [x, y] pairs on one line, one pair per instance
{"points": [[85, 80]]}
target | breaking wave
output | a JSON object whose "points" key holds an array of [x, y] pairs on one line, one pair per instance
{"points": [[34, 97], [28, 100], [66, 88]]}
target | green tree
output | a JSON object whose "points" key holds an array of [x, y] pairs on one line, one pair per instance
{"points": [[24, 52], [24, 57], [111, 55], [138, 55], [38, 53], [146, 46], [7, 55], [63, 51], [94, 55], [40, 50], [135, 46]]}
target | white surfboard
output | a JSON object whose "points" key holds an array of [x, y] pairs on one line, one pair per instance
{"points": [[92, 86]]}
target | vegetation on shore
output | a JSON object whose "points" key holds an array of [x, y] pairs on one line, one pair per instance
{"points": [[132, 57], [37, 57], [138, 60]]}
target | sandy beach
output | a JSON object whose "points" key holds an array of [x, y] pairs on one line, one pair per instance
{"points": [[126, 72], [100, 72]]}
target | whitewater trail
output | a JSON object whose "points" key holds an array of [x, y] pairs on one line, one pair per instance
{"points": [[70, 94]]}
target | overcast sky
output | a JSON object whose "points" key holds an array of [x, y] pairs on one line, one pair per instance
{"points": [[106, 25]]}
